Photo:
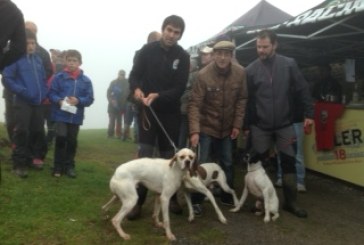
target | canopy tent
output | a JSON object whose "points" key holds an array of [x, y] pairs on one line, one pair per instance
{"points": [[261, 15], [331, 31]]}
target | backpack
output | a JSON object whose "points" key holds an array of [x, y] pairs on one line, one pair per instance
{"points": [[116, 91]]}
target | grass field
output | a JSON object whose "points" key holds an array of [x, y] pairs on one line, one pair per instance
{"points": [[42, 209]]}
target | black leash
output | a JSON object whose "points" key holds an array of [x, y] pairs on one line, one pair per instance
{"points": [[164, 130]]}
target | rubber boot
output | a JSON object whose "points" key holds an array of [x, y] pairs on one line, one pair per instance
{"points": [[290, 196], [135, 213], [174, 206]]}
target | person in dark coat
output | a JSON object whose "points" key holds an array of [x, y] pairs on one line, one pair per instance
{"points": [[12, 33]]}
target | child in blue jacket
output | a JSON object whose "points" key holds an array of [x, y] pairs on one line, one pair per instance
{"points": [[71, 91], [26, 79]]}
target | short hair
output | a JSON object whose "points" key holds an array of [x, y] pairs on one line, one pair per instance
{"points": [[30, 35], [31, 26], [74, 53], [153, 36], [175, 21], [267, 34]]}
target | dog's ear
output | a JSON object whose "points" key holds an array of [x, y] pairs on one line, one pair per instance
{"points": [[173, 160], [193, 168]]}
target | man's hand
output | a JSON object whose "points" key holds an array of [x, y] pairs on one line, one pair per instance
{"points": [[72, 100], [138, 94], [308, 122], [234, 133], [194, 138], [150, 98]]}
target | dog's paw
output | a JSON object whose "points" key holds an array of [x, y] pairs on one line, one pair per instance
{"points": [[223, 220], [275, 217], [191, 218], [159, 224], [234, 210], [171, 237], [126, 236], [266, 219]]}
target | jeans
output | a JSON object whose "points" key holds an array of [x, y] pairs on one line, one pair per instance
{"points": [[224, 154], [300, 165]]}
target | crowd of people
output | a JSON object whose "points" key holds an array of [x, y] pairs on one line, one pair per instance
{"points": [[204, 104]]}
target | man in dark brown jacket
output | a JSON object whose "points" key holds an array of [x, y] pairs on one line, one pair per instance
{"points": [[216, 109]]}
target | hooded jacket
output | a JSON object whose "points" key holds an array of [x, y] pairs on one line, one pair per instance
{"points": [[26, 79], [157, 70]]}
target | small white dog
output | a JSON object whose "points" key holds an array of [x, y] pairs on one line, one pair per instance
{"points": [[162, 176], [202, 176], [259, 184]]}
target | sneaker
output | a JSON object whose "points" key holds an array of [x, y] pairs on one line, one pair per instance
{"points": [[197, 209], [228, 201], [21, 172], [71, 173], [38, 163], [216, 191], [57, 174], [301, 188], [278, 183]]}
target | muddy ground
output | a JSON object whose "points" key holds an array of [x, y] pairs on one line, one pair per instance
{"points": [[335, 209]]}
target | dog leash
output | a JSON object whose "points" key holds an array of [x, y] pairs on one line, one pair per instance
{"points": [[163, 129]]}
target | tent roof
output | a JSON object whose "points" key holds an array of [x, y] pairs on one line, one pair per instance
{"points": [[331, 31], [262, 14]]}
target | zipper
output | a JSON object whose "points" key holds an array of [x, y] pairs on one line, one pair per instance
{"points": [[32, 61]]}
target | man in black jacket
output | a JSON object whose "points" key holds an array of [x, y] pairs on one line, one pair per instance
{"points": [[158, 80], [273, 81], [12, 33]]}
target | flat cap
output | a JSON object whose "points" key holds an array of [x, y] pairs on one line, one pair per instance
{"points": [[224, 45], [206, 50]]}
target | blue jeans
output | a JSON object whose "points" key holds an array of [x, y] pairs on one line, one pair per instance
{"points": [[224, 153], [300, 164]]}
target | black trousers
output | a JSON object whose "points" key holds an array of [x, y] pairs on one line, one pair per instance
{"points": [[28, 134], [151, 135], [66, 146]]}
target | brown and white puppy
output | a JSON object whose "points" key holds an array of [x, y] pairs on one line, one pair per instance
{"points": [[163, 176], [259, 184], [200, 177]]}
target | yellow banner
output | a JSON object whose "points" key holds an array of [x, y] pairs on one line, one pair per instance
{"points": [[346, 160]]}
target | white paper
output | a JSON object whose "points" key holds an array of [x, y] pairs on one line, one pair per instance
{"points": [[68, 107]]}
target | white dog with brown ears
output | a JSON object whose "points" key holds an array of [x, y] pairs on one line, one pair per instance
{"points": [[200, 177], [163, 176], [259, 184]]}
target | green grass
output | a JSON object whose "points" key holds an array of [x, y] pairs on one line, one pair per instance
{"points": [[46, 210]]}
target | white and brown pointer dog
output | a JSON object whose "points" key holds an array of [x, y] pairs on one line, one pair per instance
{"points": [[163, 176], [200, 177]]}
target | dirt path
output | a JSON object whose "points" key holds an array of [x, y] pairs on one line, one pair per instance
{"points": [[336, 216]]}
